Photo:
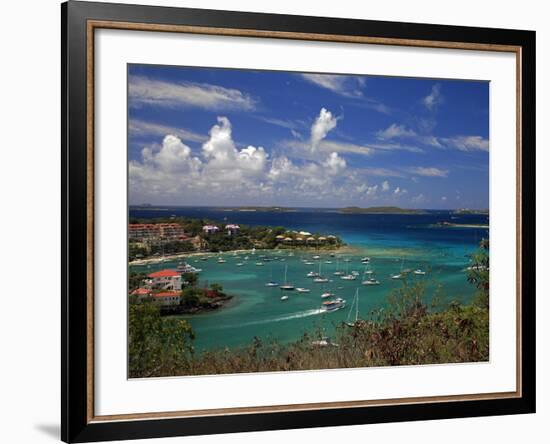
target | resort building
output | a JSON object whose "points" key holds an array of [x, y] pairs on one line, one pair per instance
{"points": [[164, 280], [148, 233], [232, 229], [167, 298], [279, 238], [210, 229], [141, 293]]}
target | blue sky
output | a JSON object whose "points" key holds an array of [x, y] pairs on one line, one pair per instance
{"points": [[202, 136]]}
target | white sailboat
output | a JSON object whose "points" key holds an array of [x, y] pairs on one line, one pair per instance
{"points": [[355, 304], [320, 279], [286, 285], [348, 276], [400, 274], [271, 282], [338, 272]]}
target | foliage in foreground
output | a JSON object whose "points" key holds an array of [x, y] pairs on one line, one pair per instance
{"points": [[407, 333]]}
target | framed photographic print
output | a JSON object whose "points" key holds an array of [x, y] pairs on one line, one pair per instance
{"points": [[276, 221]]}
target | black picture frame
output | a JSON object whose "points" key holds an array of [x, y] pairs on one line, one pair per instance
{"points": [[76, 423]]}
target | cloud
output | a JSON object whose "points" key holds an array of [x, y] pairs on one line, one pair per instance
{"points": [[420, 198], [381, 172], [346, 86], [303, 149], [385, 185], [371, 191], [334, 163], [226, 160], [140, 128], [444, 198], [160, 93], [322, 125], [223, 173], [288, 124], [428, 171], [296, 134], [467, 143], [395, 131], [399, 191], [434, 99]]}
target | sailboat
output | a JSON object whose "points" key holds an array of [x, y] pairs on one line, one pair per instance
{"points": [[338, 272], [320, 279], [355, 304], [271, 282], [348, 276], [286, 285], [400, 274]]}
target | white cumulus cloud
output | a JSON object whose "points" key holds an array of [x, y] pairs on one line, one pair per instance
{"points": [[324, 123], [334, 163]]}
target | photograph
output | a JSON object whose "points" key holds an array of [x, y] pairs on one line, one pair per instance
{"points": [[295, 221]]}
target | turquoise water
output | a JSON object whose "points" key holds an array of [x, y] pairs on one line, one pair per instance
{"points": [[392, 242]]}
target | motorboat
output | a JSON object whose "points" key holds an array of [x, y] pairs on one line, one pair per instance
{"points": [[333, 305]]}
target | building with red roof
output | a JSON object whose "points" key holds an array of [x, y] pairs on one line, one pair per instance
{"points": [[167, 297], [167, 279]]}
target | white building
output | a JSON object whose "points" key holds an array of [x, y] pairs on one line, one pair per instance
{"points": [[210, 229], [164, 280], [232, 229]]}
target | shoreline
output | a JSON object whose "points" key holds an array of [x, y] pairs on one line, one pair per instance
{"points": [[345, 249]]}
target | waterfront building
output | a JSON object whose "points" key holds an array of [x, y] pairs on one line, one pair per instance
{"points": [[148, 233], [141, 293], [164, 280], [167, 298]]}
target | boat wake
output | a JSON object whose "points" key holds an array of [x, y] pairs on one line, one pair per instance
{"points": [[287, 317]]}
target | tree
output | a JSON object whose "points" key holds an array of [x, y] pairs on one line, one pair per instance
{"points": [[191, 297], [217, 288], [190, 278], [478, 273], [155, 344]]}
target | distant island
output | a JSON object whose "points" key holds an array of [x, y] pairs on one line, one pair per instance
{"points": [[379, 210], [261, 209], [469, 211]]}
